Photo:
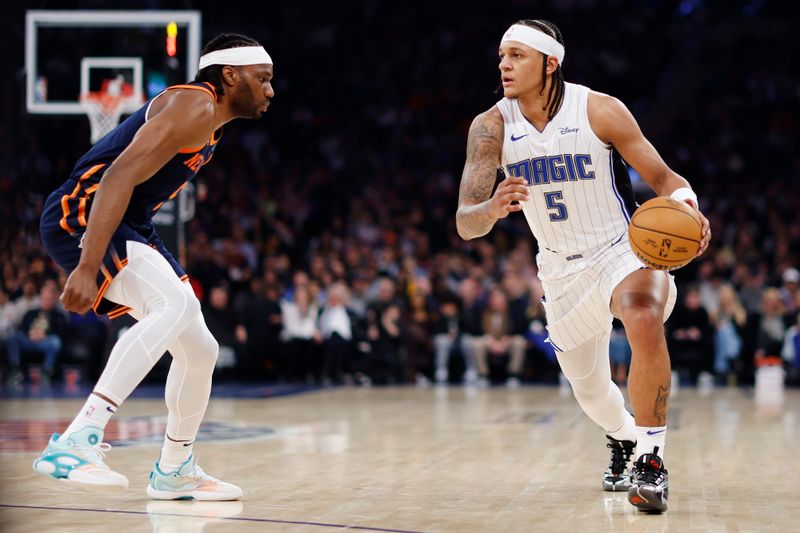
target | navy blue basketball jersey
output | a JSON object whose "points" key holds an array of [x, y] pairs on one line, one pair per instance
{"points": [[147, 197], [66, 210]]}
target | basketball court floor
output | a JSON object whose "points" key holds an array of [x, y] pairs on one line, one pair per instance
{"points": [[417, 460]]}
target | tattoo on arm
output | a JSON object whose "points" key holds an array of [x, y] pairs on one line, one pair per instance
{"points": [[660, 409], [480, 171]]}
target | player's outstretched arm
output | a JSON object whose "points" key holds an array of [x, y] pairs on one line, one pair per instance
{"points": [[478, 210], [613, 123], [186, 120]]}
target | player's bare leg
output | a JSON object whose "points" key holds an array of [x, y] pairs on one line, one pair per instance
{"points": [[639, 301]]}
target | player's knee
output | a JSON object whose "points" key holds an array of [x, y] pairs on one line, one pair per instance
{"points": [[590, 395], [211, 351], [204, 350], [581, 364], [192, 309], [645, 314], [586, 388], [182, 307]]}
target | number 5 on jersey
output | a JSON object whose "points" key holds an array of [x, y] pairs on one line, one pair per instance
{"points": [[551, 199]]}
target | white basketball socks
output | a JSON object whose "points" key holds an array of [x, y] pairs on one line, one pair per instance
{"points": [[647, 438], [174, 453], [96, 412]]}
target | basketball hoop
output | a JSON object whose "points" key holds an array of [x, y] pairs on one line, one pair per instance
{"points": [[105, 107]]}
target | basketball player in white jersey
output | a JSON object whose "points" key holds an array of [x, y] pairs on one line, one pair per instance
{"points": [[560, 146]]}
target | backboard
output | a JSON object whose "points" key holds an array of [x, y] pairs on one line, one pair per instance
{"points": [[70, 53]]}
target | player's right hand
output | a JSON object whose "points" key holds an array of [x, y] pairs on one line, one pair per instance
{"points": [[80, 290], [509, 190]]}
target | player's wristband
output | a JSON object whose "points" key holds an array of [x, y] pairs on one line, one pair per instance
{"points": [[683, 194]]}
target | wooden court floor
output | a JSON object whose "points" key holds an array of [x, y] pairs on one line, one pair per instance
{"points": [[418, 460]]}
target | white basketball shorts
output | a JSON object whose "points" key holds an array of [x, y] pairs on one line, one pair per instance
{"points": [[578, 289]]}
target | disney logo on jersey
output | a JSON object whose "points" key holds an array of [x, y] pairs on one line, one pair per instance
{"points": [[564, 131], [553, 168]]}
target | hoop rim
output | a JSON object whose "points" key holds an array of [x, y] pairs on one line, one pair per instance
{"points": [[104, 110], [109, 103]]}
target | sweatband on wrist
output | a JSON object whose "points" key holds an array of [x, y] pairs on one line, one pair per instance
{"points": [[683, 194]]}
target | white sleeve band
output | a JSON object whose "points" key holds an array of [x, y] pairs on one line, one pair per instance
{"points": [[683, 194]]}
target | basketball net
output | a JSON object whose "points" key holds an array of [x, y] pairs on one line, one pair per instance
{"points": [[105, 107]]}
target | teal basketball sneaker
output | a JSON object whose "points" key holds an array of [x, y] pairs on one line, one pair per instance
{"points": [[79, 460], [189, 482]]}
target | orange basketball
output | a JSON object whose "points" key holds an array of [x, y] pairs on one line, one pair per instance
{"points": [[665, 233]]}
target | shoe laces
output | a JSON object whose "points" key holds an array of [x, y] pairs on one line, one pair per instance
{"points": [[96, 454], [648, 473], [620, 456], [199, 474]]}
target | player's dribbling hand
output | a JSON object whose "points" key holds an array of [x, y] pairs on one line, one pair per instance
{"points": [[706, 234], [705, 231], [509, 190], [79, 291]]}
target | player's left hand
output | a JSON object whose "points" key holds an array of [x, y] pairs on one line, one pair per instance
{"points": [[705, 232], [80, 290]]}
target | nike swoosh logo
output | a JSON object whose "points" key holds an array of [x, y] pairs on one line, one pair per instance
{"points": [[655, 432], [518, 138], [188, 443], [110, 410]]}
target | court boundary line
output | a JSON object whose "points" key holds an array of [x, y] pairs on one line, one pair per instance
{"points": [[237, 518]]}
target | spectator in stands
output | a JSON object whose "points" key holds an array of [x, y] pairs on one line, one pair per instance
{"points": [[471, 326], [358, 294], [789, 288], [690, 336], [29, 299], [418, 326], [771, 325], [222, 322], [6, 322], [260, 325], [791, 353], [40, 332], [446, 336], [729, 322], [339, 328], [385, 336], [499, 341], [301, 336]]}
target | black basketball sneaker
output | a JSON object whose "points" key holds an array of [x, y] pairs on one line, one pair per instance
{"points": [[649, 484], [617, 477]]}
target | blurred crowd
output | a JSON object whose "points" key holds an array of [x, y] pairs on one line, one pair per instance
{"points": [[324, 247]]}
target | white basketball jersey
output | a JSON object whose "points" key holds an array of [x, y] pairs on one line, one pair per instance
{"points": [[576, 203]]}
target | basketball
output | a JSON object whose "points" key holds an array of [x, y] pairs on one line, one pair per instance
{"points": [[664, 233]]}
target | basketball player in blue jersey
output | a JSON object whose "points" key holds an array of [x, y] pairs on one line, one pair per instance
{"points": [[561, 147], [97, 226]]}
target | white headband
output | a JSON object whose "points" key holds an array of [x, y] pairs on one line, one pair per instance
{"points": [[535, 39], [241, 55]]}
